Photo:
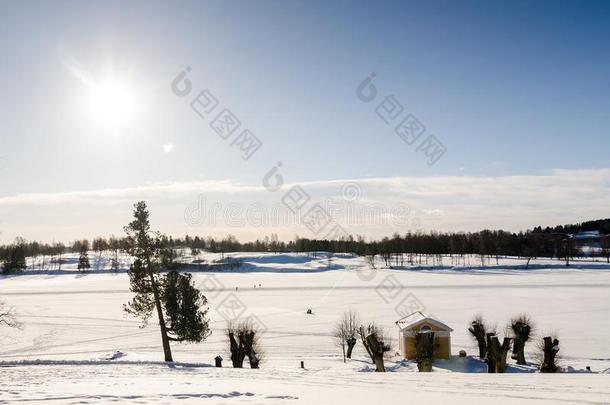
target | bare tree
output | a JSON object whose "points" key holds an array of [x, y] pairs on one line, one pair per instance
{"points": [[605, 244], [424, 347], [531, 247], [59, 250], [496, 353], [8, 316], [479, 331], [114, 245], [548, 348], [522, 328], [244, 341], [372, 337], [345, 333]]}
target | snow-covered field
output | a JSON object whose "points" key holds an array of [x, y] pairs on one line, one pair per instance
{"points": [[73, 323]]}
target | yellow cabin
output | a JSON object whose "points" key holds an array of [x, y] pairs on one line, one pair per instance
{"points": [[410, 325]]}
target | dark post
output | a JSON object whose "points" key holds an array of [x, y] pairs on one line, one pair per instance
{"points": [[218, 361]]}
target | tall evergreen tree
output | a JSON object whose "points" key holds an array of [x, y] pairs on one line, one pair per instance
{"points": [[182, 302], [13, 257], [177, 302]]}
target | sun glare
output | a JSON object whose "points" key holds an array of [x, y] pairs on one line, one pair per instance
{"points": [[112, 103]]}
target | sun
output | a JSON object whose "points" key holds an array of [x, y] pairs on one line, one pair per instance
{"points": [[112, 103], [112, 100]]}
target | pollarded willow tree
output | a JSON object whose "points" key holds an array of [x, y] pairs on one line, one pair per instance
{"points": [[479, 330], [376, 344], [549, 347], [244, 341], [522, 328], [177, 302]]}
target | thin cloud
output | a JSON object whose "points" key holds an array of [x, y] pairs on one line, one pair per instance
{"points": [[442, 203]]}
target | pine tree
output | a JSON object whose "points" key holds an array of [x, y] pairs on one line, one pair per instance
{"points": [[177, 302], [182, 302], [13, 258], [83, 260]]}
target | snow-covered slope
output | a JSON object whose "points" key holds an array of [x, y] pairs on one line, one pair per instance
{"points": [[73, 323]]}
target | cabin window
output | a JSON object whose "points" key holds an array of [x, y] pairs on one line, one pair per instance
{"points": [[426, 328]]}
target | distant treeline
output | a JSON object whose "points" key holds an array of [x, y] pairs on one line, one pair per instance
{"points": [[601, 225], [548, 242], [485, 243]]}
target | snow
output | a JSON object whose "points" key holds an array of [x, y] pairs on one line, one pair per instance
{"points": [[412, 320], [77, 345]]}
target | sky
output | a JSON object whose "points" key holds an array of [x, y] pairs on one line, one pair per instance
{"points": [[516, 95]]}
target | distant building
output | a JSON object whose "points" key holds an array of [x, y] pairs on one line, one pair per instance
{"points": [[410, 325], [587, 241], [587, 235]]}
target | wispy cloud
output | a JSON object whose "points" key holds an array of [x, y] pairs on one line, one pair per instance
{"points": [[458, 203]]}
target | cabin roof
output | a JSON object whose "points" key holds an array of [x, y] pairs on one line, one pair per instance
{"points": [[417, 318]]}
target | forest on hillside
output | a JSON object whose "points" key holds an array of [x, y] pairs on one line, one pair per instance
{"points": [[539, 242]]}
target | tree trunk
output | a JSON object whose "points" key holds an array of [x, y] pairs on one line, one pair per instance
{"points": [[479, 334], [253, 358], [351, 342], [248, 348], [496, 354], [376, 352], [424, 346], [519, 350], [368, 349], [490, 355], [164, 338], [237, 351], [502, 353], [551, 347]]}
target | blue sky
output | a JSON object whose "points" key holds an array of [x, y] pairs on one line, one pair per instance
{"points": [[510, 88]]}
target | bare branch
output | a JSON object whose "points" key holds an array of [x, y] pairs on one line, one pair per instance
{"points": [[8, 316]]}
